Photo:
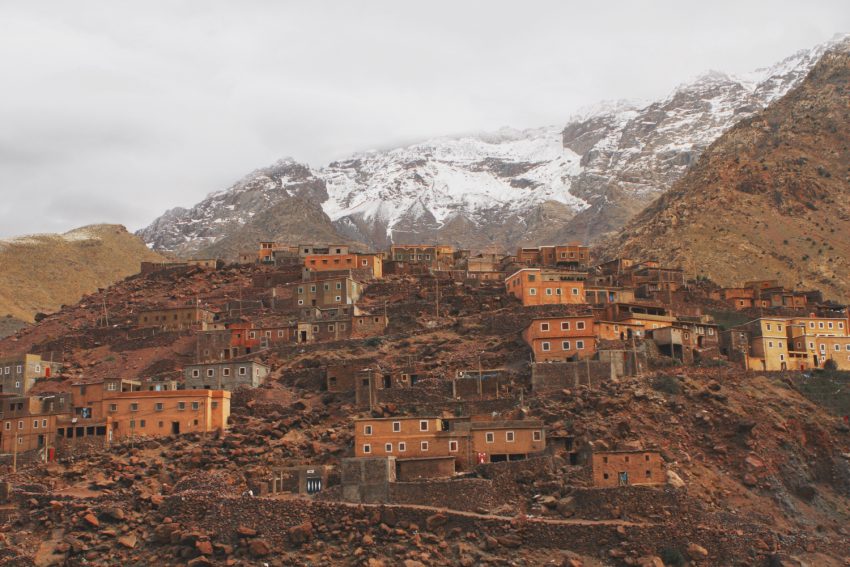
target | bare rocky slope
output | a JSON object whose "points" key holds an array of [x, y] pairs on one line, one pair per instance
{"points": [[579, 182], [767, 199], [44, 271]]}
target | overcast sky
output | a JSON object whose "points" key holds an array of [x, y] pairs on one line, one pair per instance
{"points": [[116, 111]]}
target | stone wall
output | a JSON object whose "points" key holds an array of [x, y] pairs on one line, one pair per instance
{"points": [[469, 494], [220, 516], [560, 375]]}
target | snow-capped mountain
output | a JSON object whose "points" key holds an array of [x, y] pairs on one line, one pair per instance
{"points": [[508, 187]]}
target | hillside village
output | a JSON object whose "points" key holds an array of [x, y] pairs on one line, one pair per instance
{"points": [[533, 407]]}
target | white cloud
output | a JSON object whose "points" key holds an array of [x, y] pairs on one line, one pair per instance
{"points": [[115, 111]]}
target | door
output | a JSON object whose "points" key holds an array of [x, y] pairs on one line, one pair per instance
{"points": [[623, 478], [314, 485], [303, 338], [175, 427]]}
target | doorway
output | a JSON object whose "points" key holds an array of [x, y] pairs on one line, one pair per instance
{"points": [[175, 428], [623, 478]]}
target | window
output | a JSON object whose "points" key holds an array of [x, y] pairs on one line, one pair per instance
{"points": [[20, 425], [423, 446], [575, 291], [779, 344], [196, 405], [35, 424], [423, 425], [338, 298], [312, 289], [537, 435], [19, 369], [565, 325], [17, 384], [580, 325], [300, 302], [181, 406], [210, 372], [648, 473], [544, 346], [367, 430], [830, 324], [367, 448], [489, 437], [453, 446], [402, 447], [711, 330], [580, 345], [544, 326], [214, 405], [252, 335], [339, 285], [768, 326], [532, 291], [113, 407], [330, 328], [142, 423], [388, 447], [225, 372], [509, 436], [110, 386], [134, 407], [548, 291], [820, 324], [646, 457], [565, 345], [605, 476], [769, 344], [327, 287], [396, 426], [243, 371], [157, 406]]}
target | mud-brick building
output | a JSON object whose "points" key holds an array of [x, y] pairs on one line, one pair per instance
{"points": [[571, 256], [561, 338], [29, 422], [326, 292], [18, 374], [534, 286], [176, 318], [468, 441], [225, 375], [627, 467], [372, 263]]}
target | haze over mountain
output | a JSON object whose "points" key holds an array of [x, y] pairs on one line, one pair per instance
{"points": [[579, 182], [769, 199]]}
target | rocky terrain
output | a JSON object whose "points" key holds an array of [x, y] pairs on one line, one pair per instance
{"points": [[578, 182], [42, 272], [768, 198], [758, 474]]}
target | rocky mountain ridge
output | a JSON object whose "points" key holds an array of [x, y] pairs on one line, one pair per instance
{"points": [[578, 182], [767, 199]]}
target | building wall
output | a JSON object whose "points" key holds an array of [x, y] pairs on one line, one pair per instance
{"points": [[326, 293], [174, 318], [224, 376], [559, 338], [526, 440], [534, 287], [328, 262], [154, 414], [410, 434], [641, 467], [418, 469], [18, 374]]}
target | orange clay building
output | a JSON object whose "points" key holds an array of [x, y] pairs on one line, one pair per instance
{"points": [[470, 442], [371, 263], [534, 286], [561, 338], [119, 408], [627, 468], [566, 255], [29, 422]]}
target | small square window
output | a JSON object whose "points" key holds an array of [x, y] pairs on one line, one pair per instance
{"points": [[423, 446], [489, 437], [453, 446], [544, 326], [423, 425], [367, 430], [367, 448], [388, 447], [396, 426], [509, 436], [537, 435], [402, 447]]}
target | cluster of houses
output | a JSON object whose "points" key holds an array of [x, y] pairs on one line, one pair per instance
{"points": [[314, 293]]}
